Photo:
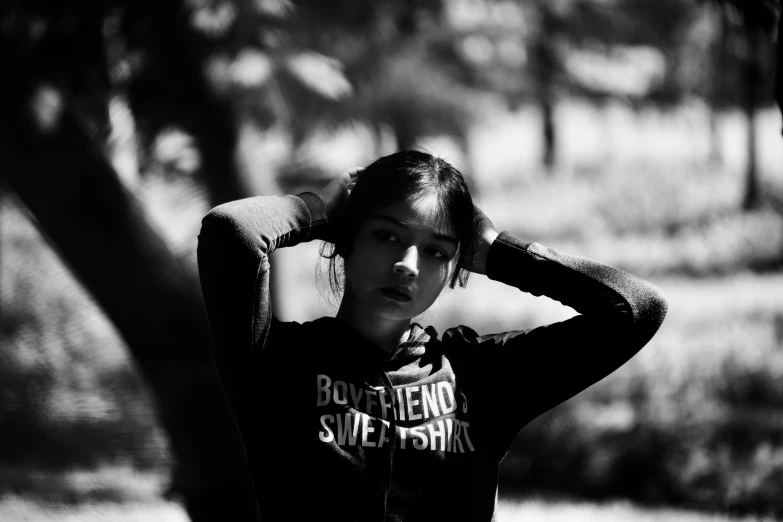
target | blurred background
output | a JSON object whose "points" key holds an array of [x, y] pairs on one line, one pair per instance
{"points": [[641, 134]]}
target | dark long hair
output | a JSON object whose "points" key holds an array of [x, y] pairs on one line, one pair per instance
{"points": [[396, 177]]}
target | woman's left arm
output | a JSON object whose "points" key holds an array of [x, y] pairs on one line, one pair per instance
{"points": [[534, 370]]}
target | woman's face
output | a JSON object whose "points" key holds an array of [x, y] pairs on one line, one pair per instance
{"points": [[401, 259]]}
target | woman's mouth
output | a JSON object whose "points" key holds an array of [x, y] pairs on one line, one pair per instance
{"points": [[395, 295]]}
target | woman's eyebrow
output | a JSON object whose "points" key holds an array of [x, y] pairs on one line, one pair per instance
{"points": [[440, 237]]}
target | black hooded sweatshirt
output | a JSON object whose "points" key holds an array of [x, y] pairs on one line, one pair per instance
{"points": [[417, 434]]}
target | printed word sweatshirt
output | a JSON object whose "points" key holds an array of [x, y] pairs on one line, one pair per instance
{"points": [[417, 434]]}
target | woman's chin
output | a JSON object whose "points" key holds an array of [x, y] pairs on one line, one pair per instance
{"points": [[376, 304], [391, 313], [391, 310]]}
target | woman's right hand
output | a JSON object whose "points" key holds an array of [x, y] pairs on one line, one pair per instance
{"points": [[336, 193]]}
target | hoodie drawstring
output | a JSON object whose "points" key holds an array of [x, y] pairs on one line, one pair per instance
{"points": [[389, 388]]}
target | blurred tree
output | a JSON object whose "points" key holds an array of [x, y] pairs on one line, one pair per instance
{"points": [[778, 90], [744, 60], [208, 66], [760, 23], [50, 128], [546, 66], [158, 63], [538, 52], [388, 52], [64, 62]]}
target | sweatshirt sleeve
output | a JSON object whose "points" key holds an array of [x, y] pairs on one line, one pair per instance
{"points": [[529, 372], [234, 244]]}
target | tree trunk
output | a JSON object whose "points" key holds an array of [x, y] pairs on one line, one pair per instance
{"points": [[151, 297], [752, 197], [545, 65], [715, 89], [377, 140], [715, 154], [778, 88], [778, 38], [173, 78], [548, 133], [404, 135]]}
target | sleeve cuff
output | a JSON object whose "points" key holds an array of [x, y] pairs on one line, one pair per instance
{"points": [[502, 254], [318, 217]]}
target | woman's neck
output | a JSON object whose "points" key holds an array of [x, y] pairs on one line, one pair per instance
{"points": [[387, 334]]}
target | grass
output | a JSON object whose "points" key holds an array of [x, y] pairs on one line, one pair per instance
{"points": [[113, 482], [19, 509], [694, 417], [537, 510]]}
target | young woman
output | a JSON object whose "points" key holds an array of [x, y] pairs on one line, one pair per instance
{"points": [[408, 425]]}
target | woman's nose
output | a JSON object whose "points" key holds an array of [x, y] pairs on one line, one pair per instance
{"points": [[409, 264]]}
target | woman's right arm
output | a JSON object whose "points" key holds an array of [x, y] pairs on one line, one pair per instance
{"points": [[233, 259], [233, 248], [234, 245]]}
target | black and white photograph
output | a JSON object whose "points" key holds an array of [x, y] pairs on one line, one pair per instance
{"points": [[531, 252]]}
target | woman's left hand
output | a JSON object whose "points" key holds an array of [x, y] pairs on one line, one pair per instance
{"points": [[485, 236]]}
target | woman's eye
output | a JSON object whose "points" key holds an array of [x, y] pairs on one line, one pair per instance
{"points": [[384, 235], [438, 254]]}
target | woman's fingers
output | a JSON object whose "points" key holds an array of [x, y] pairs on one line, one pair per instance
{"points": [[485, 236], [333, 192], [480, 218], [353, 174]]}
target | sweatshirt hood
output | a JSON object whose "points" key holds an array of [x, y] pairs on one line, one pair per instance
{"points": [[414, 347]]}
